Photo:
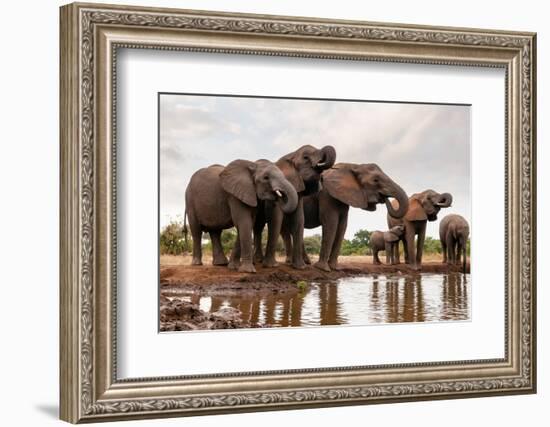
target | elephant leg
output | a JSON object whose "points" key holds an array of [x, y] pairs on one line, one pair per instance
{"points": [[338, 239], [274, 230], [375, 259], [450, 248], [245, 242], [453, 253], [235, 259], [243, 218], [464, 260], [409, 247], [218, 257], [297, 227], [258, 229], [420, 245], [330, 226], [196, 234], [396, 255], [305, 256], [406, 249], [444, 250], [285, 233], [389, 253], [458, 252]]}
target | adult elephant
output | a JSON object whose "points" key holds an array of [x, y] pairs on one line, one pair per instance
{"points": [[453, 233], [220, 197], [303, 169], [346, 184], [423, 207]]}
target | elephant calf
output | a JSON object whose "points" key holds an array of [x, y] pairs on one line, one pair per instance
{"points": [[386, 241], [220, 197], [454, 232]]}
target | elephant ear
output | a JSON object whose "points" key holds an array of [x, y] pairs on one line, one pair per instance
{"points": [[390, 237], [416, 212], [340, 182], [237, 180], [291, 174]]}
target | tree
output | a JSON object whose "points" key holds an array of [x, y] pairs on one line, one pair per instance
{"points": [[359, 245], [362, 238]]}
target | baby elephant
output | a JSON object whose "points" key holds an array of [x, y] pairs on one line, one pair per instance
{"points": [[386, 241], [454, 232]]}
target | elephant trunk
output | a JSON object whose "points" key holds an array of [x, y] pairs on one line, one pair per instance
{"points": [[399, 194], [445, 200], [287, 195], [327, 158]]}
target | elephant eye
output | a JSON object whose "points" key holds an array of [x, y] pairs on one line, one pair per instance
{"points": [[265, 178]]}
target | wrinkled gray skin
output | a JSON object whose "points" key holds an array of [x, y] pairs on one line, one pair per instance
{"points": [[386, 241], [220, 197], [454, 232], [423, 207], [303, 169], [346, 184]]}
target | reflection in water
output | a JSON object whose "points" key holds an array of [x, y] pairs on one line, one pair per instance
{"points": [[355, 301]]}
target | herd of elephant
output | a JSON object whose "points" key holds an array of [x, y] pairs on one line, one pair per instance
{"points": [[306, 189]]}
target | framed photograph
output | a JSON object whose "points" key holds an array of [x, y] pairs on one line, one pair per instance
{"points": [[267, 212]]}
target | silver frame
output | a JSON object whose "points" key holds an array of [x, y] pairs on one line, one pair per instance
{"points": [[90, 37]]}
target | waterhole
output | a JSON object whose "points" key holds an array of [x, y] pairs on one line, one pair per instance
{"points": [[353, 301]]}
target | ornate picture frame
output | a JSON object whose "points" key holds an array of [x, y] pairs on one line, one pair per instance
{"points": [[90, 37]]}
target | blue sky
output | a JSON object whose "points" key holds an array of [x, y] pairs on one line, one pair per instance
{"points": [[419, 146]]}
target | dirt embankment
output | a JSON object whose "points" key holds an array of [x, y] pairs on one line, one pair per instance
{"points": [[213, 279], [180, 315]]}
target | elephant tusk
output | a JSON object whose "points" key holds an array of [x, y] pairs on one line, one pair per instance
{"points": [[321, 164], [278, 193]]}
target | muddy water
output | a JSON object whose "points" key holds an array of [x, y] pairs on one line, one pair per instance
{"points": [[355, 301]]}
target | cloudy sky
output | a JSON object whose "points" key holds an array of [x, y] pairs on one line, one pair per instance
{"points": [[419, 146]]}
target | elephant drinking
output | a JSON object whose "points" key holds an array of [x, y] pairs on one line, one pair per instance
{"points": [[303, 169], [423, 207], [347, 184]]}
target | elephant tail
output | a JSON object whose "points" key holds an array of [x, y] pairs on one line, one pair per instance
{"points": [[185, 230]]}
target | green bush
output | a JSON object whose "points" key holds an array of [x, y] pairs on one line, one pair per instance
{"points": [[312, 244], [279, 248], [432, 246], [228, 240], [172, 241]]}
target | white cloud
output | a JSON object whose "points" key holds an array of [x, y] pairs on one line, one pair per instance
{"points": [[419, 146]]}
